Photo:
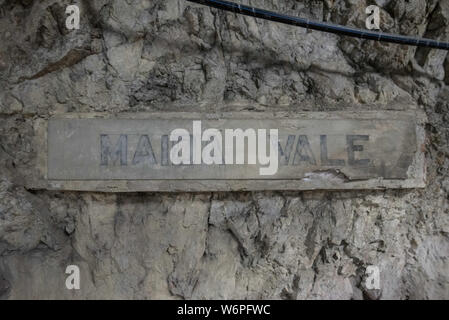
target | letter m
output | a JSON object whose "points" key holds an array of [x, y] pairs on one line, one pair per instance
{"points": [[116, 152], [240, 136]]}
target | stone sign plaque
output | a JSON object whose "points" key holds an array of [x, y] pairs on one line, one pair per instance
{"points": [[235, 151]]}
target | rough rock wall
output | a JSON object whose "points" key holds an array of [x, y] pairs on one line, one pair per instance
{"points": [[147, 55]]}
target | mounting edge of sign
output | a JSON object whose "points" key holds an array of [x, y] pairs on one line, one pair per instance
{"points": [[417, 176]]}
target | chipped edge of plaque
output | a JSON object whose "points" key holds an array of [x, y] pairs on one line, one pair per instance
{"points": [[416, 172]]}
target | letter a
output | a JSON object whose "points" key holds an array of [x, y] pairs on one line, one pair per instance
{"points": [[73, 280], [180, 152], [73, 20]]}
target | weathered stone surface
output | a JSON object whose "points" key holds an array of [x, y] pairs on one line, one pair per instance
{"points": [[187, 58], [316, 151]]}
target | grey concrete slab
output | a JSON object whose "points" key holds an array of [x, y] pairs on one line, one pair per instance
{"points": [[332, 151]]}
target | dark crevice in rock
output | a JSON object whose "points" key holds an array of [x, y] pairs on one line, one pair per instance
{"points": [[73, 57]]}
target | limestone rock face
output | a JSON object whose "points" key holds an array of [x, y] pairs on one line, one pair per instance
{"points": [[171, 55]]}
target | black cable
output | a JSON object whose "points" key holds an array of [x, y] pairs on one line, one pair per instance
{"points": [[322, 26]]}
